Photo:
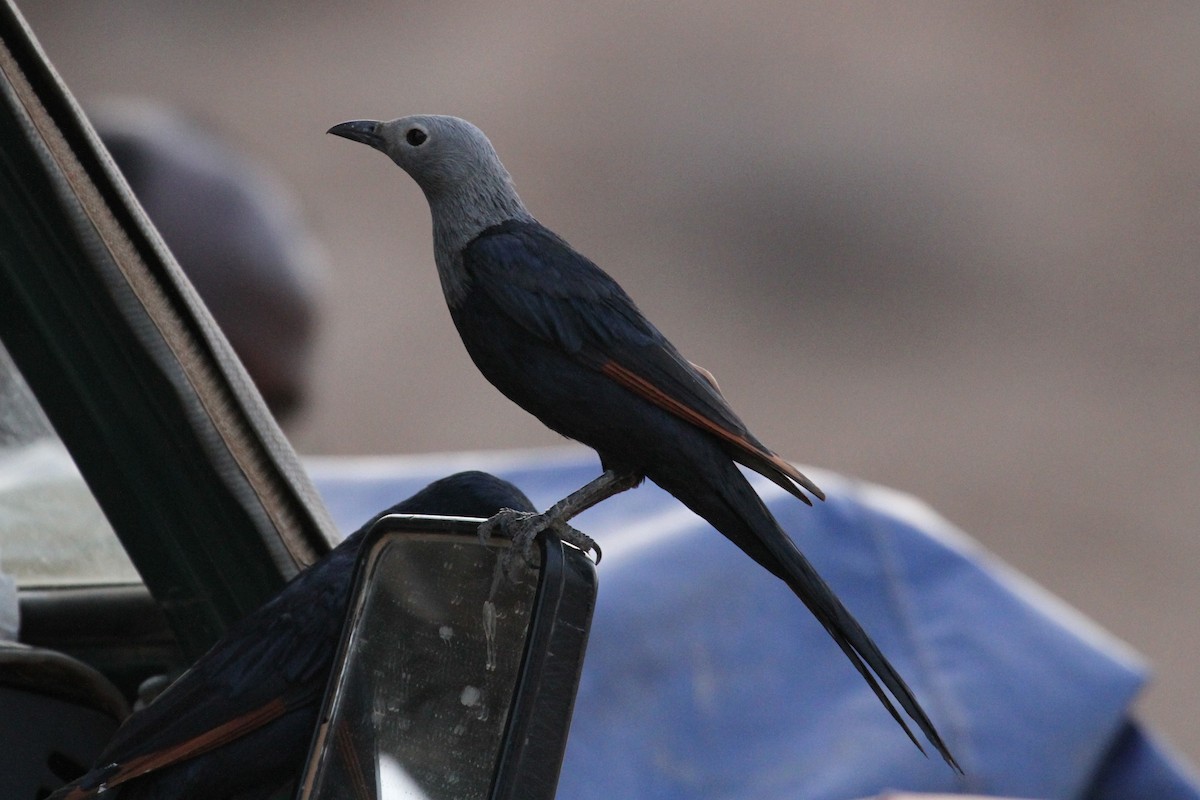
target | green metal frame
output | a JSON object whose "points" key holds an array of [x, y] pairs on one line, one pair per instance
{"points": [[203, 491]]}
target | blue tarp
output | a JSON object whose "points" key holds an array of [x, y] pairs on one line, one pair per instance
{"points": [[706, 677]]}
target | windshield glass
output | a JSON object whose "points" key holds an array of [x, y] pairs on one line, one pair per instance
{"points": [[52, 532]]}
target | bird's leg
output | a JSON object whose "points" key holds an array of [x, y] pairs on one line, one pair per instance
{"points": [[521, 527], [608, 484]]}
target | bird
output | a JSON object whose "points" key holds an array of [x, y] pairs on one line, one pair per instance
{"points": [[238, 723], [560, 338]]}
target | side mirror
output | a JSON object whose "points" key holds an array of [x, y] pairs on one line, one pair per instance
{"points": [[453, 679]]}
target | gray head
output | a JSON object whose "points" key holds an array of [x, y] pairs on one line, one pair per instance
{"points": [[454, 164]]}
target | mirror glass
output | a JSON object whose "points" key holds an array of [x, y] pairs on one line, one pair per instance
{"points": [[422, 698]]}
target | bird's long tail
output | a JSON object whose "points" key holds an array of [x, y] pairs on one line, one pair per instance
{"points": [[733, 508]]}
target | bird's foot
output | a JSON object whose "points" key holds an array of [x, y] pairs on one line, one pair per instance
{"points": [[522, 527]]}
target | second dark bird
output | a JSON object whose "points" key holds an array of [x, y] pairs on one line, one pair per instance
{"points": [[238, 723], [561, 339]]}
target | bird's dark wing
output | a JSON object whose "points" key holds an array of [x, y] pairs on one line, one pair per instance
{"points": [[560, 296], [117, 773], [274, 661]]}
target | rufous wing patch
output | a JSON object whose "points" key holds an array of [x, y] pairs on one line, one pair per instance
{"points": [[209, 740], [757, 458]]}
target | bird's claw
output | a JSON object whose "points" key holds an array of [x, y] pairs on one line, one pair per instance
{"points": [[522, 527], [519, 527], [577, 539]]}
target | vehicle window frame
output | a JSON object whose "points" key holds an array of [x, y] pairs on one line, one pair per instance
{"points": [[206, 495]]}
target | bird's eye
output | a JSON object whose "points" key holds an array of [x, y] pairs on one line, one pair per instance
{"points": [[416, 137]]}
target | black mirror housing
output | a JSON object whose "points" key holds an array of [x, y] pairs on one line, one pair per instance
{"points": [[455, 677]]}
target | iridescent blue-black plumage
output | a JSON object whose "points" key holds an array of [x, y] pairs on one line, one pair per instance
{"points": [[262, 683], [540, 322]]}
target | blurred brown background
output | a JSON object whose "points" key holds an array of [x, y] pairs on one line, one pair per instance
{"points": [[951, 248]]}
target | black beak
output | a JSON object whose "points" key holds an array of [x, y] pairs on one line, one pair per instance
{"points": [[367, 131]]}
